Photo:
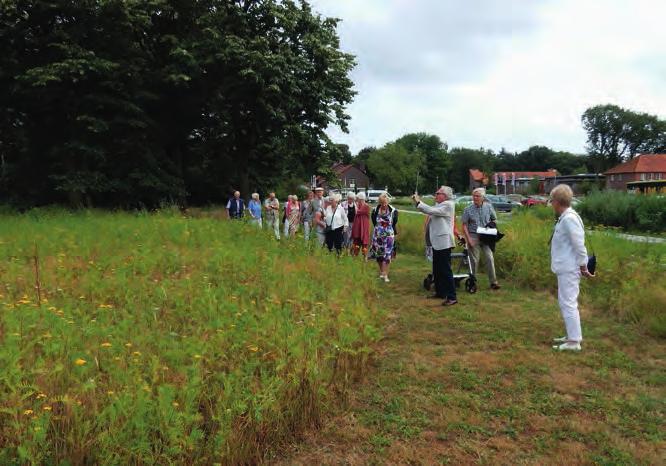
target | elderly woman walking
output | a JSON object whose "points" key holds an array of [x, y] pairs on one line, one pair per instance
{"points": [[385, 220], [477, 215], [336, 222], [293, 209], [272, 206], [307, 215], [349, 207], [360, 231], [254, 207], [568, 260]]}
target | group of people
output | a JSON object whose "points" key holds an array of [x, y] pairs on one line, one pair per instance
{"points": [[339, 225], [569, 259], [346, 224]]}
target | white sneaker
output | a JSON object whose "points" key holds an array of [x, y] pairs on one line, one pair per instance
{"points": [[560, 340], [568, 346], [386, 279]]}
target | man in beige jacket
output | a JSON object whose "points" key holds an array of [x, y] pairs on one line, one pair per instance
{"points": [[442, 220]]}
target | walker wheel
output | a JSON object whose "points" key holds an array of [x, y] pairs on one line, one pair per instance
{"points": [[470, 285]]}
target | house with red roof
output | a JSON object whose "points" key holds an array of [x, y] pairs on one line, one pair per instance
{"points": [[349, 176], [646, 167]]}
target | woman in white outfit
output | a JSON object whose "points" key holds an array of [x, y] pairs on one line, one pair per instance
{"points": [[569, 262]]}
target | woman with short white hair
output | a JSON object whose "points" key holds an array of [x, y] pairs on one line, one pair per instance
{"points": [[293, 209], [254, 207], [569, 262], [336, 221]]}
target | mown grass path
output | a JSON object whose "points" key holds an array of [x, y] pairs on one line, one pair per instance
{"points": [[479, 384]]}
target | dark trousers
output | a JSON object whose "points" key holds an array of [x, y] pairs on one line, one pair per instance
{"points": [[445, 286], [334, 239]]}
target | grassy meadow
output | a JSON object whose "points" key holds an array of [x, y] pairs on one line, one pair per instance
{"points": [[479, 384], [159, 339], [169, 339]]}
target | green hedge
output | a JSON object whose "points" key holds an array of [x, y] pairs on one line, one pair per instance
{"points": [[624, 210]]}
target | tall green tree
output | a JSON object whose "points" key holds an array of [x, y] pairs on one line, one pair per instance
{"points": [[395, 168], [615, 134], [435, 158], [134, 103]]}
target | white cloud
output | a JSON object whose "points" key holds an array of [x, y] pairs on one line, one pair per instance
{"points": [[498, 73]]}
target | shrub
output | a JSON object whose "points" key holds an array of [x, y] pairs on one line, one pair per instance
{"points": [[624, 210]]}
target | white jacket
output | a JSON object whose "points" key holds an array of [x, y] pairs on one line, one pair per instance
{"points": [[442, 219], [336, 219], [567, 248]]}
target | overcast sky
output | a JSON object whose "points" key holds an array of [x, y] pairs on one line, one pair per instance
{"points": [[498, 73]]}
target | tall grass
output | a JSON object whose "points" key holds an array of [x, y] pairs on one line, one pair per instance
{"points": [[624, 210], [631, 277], [158, 339]]}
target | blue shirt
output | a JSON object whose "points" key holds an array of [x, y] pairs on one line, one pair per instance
{"points": [[255, 208]]}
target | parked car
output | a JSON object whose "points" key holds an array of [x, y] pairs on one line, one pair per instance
{"points": [[500, 203], [373, 195], [516, 199], [535, 200]]}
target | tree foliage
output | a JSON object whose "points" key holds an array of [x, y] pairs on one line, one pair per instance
{"points": [[615, 134], [394, 167], [137, 102], [541, 158]]}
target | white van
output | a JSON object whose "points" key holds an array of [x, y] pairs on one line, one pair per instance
{"points": [[373, 195]]}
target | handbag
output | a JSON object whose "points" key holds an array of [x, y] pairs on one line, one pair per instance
{"points": [[329, 228]]}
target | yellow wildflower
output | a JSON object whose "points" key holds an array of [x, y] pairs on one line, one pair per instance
{"points": [[47, 408], [136, 353], [28, 412], [106, 344], [41, 395], [175, 403], [129, 345], [253, 348], [197, 356], [80, 362], [110, 392]]}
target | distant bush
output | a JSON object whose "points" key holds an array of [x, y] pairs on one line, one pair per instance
{"points": [[624, 210]]}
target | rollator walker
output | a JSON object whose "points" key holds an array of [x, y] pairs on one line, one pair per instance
{"points": [[461, 264]]}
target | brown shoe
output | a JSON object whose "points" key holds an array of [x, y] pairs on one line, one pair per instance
{"points": [[495, 286]]}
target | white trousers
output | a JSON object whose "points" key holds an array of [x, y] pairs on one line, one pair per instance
{"points": [[568, 287], [286, 228]]}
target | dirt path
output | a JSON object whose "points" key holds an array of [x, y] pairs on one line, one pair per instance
{"points": [[478, 384]]}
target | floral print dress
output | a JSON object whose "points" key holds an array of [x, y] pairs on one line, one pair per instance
{"points": [[383, 238]]}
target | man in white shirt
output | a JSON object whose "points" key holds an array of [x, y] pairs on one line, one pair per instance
{"points": [[569, 262], [440, 228]]}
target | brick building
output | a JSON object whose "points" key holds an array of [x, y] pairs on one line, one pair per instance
{"points": [[646, 167]]}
